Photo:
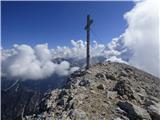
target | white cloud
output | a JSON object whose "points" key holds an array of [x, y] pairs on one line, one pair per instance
{"points": [[78, 50], [63, 68], [97, 49], [111, 48], [142, 36], [25, 62], [73, 69], [139, 45], [42, 52], [115, 59]]}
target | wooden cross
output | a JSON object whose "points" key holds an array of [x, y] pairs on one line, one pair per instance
{"points": [[87, 28]]}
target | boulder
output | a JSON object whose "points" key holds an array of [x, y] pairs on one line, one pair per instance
{"points": [[120, 114], [118, 118], [62, 93], [78, 114], [120, 111], [100, 76], [134, 112], [61, 102], [121, 118], [123, 73], [100, 86], [110, 76], [78, 73], [84, 83], [154, 111], [124, 89], [111, 94]]}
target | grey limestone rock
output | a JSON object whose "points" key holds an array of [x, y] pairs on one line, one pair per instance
{"points": [[107, 91], [134, 112]]}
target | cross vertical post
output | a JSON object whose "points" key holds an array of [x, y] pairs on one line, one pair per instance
{"points": [[87, 28]]}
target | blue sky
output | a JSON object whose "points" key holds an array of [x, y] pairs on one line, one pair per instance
{"points": [[56, 23]]}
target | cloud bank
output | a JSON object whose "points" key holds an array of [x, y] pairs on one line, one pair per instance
{"points": [[139, 46], [142, 36], [78, 50], [25, 62]]}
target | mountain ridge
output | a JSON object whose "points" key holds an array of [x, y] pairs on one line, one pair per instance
{"points": [[107, 91]]}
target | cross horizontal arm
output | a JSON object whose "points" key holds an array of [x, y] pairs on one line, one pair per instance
{"points": [[88, 24]]}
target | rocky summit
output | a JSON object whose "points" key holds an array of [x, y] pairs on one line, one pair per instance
{"points": [[106, 91]]}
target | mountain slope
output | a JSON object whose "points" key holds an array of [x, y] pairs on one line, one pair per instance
{"points": [[107, 91]]}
